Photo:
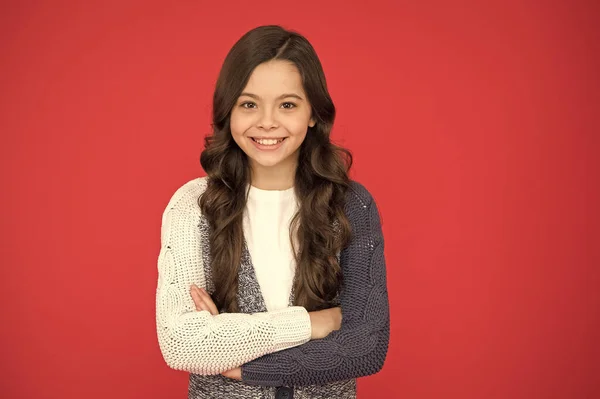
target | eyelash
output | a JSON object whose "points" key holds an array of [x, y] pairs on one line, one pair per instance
{"points": [[244, 105]]}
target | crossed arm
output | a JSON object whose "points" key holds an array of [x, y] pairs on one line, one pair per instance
{"points": [[322, 322], [197, 341], [273, 348], [359, 347]]}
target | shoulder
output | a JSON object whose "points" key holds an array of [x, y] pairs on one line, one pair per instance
{"points": [[363, 213], [187, 195], [358, 195], [361, 206]]}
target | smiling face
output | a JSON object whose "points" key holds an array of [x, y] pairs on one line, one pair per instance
{"points": [[270, 119]]}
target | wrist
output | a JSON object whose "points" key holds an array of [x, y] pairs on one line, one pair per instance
{"points": [[321, 324]]}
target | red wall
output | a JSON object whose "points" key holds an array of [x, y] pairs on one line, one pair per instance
{"points": [[474, 125]]}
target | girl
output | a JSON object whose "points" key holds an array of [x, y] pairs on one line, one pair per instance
{"points": [[271, 274]]}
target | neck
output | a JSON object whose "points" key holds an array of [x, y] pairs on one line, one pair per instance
{"points": [[279, 177]]}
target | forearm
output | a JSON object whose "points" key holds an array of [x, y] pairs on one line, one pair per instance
{"points": [[359, 348], [354, 351], [332, 359], [199, 342]]}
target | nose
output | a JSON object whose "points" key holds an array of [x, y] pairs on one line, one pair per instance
{"points": [[266, 120]]}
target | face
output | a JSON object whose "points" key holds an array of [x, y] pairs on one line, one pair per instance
{"points": [[270, 119]]}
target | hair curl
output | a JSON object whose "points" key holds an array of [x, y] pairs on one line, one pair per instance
{"points": [[321, 181]]}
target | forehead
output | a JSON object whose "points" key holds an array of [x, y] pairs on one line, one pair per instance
{"points": [[273, 78]]}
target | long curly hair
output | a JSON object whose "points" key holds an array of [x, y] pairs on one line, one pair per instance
{"points": [[321, 181]]}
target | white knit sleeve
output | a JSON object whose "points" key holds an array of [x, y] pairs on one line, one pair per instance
{"points": [[196, 341]]}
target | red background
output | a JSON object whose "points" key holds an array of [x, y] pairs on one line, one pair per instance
{"points": [[474, 124]]}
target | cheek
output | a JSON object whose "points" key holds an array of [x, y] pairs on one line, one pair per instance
{"points": [[235, 125], [299, 133], [239, 123], [298, 126]]}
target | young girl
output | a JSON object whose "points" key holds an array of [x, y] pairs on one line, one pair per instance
{"points": [[271, 274]]}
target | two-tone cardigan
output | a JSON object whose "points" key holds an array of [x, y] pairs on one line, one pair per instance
{"points": [[273, 348]]}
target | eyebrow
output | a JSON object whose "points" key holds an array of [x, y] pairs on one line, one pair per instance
{"points": [[285, 95]]}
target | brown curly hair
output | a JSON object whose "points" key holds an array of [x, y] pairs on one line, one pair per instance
{"points": [[321, 179]]}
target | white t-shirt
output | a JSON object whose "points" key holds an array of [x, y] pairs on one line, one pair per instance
{"points": [[266, 224]]}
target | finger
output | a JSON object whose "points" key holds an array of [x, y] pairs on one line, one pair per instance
{"points": [[201, 305], [199, 302], [208, 300], [202, 300], [196, 298], [235, 373]]}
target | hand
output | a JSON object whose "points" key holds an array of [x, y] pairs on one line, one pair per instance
{"points": [[323, 322], [202, 300], [234, 374]]}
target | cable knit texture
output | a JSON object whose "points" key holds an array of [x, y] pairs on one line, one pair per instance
{"points": [[197, 341], [271, 346], [359, 348]]}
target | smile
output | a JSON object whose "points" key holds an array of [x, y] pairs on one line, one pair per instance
{"points": [[267, 142], [264, 144]]}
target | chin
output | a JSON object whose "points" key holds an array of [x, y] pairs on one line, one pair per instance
{"points": [[267, 163]]}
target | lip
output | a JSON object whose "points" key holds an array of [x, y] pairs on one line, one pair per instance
{"points": [[262, 147]]}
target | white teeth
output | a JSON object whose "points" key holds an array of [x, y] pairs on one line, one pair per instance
{"points": [[268, 141]]}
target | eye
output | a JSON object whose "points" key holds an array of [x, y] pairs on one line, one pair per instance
{"points": [[288, 105], [248, 105]]}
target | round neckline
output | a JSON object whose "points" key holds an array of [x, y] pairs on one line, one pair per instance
{"points": [[259, 193]]}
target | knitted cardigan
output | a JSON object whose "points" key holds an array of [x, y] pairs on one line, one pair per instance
{"points": [[273, 347]]}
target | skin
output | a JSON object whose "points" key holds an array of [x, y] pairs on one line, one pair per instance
{"points": [[272, 105]]}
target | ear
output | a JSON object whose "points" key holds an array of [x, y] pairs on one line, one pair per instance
{"points": [[312, 122]]}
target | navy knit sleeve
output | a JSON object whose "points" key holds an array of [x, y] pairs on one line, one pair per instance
{"points": [[359, 348]]}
